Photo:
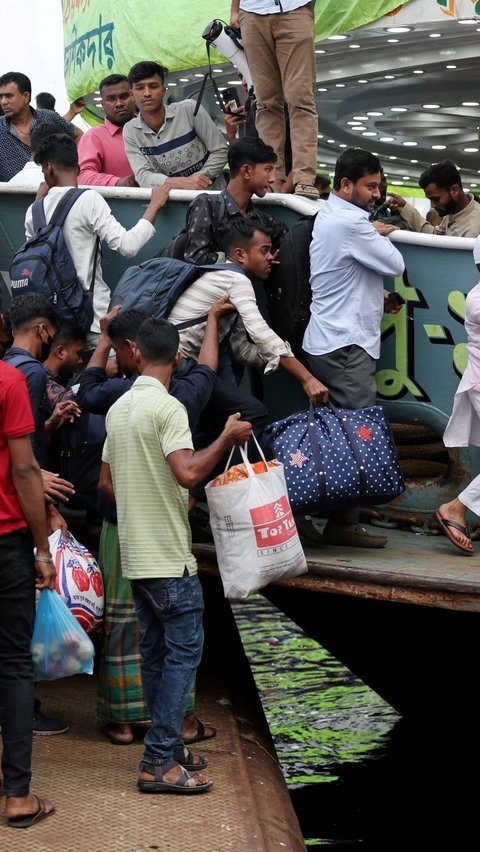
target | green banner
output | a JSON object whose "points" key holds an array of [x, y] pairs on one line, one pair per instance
{"points": [[104, 37]]}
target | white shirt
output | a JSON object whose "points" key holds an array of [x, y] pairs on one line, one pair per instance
{"points": [[198, 298], [463, 428], [348, 259], [89, 218], [30, 175], [271, 7]]}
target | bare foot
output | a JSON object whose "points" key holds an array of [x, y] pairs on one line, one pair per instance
{"points": [[455, 511], [17, 806], [120, 733]]}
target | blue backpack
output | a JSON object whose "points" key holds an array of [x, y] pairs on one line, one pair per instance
{"points": [[44, 265], [156, 285]]}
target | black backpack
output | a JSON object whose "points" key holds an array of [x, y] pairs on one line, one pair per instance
{"points": [[288, 287], [44, 265], [176, 246], [79, 448], [156, 285]]}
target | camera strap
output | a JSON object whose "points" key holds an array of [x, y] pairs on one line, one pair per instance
{"points": [[208, 76]]}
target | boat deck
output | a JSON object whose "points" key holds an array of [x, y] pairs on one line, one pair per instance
{"points": [[99, 809], [412, 568]]}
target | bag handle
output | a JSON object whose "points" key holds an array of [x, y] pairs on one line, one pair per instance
{"points": [[317, 453], [243, 452]]}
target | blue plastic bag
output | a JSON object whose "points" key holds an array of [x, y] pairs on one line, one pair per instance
{"points": [[60, 646]]}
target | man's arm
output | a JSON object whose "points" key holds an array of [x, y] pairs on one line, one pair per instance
{"points": [[313, 388], [112, 232], [105, 484], [76, 107], [234, 10], [374, 251], [413, 216], [28, 484], [190, 467], [209, 350]]}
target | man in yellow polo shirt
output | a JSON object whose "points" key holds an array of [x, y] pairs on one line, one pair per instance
{"points": [[148, 466]]}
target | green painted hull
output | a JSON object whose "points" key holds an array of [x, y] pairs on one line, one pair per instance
{"points": [[423, 350]]}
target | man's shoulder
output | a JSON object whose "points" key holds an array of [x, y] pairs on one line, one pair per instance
{"points": [[133, 127], [232, 274], [50, 116], [15, 355], [100, 131], [180, 107], [10, 376]]}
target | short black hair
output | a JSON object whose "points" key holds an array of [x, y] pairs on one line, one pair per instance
{"points": [[157, 340], [354, 164], [59, 149], [43, 131], [240, 233], [69, 332], [29, 306], [112, 80], [142, 70], [249, 151], [126, 324], [45, 100], [21, 80], [444, 175], [322, 182]]}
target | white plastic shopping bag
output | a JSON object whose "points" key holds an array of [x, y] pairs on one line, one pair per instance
{"points": [[255, 535], [79, 580]]}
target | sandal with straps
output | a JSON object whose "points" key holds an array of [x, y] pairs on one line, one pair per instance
{"points": [[186, 783], [186, 758], [307, 190]]}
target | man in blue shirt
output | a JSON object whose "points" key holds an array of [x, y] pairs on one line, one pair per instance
{"points": [[349, 256]]}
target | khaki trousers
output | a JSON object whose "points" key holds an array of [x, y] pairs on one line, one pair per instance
{"points": [[281, 56]]}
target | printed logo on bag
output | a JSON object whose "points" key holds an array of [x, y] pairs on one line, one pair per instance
{"points": [[365, 433], [273, 523], [297, 459]]}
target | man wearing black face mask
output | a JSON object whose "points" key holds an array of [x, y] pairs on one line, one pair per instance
{"points": [[34, 323]]}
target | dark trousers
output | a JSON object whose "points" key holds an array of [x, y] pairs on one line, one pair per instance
{"points": [[349, 374], [17, 613], [227, 399]]}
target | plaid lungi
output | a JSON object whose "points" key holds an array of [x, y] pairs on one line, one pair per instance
{"points": [[120, 692]]}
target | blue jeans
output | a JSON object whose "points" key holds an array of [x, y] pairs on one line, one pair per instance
{"points": [[170, 613], [17, 613]]}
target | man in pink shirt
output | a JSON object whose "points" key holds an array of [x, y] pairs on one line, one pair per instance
{"points": [[102, 158]]}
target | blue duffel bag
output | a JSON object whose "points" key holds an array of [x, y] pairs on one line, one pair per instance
{"points": [[337, 456]]}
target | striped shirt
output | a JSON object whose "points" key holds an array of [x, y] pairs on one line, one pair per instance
{"points": [[267, 347], [143, 427], [184, 145]]}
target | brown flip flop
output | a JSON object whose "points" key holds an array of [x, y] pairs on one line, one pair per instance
{"points": [[446, 525], [26, 820]]}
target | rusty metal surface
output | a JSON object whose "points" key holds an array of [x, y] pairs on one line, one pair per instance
{"points": [[411, 569], [99, 809]]}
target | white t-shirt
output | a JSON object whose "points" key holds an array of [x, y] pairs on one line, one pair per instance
{"points": [[89, 218]]}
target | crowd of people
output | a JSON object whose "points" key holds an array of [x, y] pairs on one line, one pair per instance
{"points": [[168, 400]]}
